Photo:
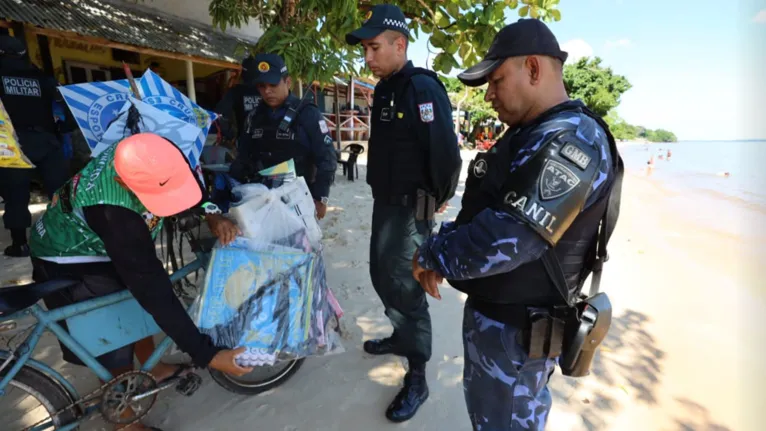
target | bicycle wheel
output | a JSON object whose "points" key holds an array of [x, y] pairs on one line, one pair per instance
{"points": [[260, 380], [32, 397]]}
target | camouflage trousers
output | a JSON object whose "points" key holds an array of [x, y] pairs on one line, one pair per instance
{"points": [[504, 389]]}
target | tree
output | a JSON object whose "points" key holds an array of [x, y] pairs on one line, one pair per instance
{"points": [[598, 87], [471, 100], [310, 34], [661, 135]]}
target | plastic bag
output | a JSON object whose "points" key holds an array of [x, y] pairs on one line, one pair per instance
{"points": [[267, 291], [11, 155]]}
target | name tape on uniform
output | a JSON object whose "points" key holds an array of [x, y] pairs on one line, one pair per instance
{"points": [[15, 86]]}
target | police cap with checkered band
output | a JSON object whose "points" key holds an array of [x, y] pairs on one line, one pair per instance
{"points": [[269, 69], [524, 37], [381, 18]]}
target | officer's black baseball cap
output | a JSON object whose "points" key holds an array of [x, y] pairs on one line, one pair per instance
{"points": [[10, 45], [269, 69], [527, 36], [379, 19]]}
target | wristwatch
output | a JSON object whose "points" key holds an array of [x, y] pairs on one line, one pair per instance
{"points": [[211, 208], [324, 200]]}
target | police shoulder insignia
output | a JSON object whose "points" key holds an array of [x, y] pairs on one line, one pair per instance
{"points": [[575, 155], [323, 126], [556, 180], [263, 67], [426, 112]]}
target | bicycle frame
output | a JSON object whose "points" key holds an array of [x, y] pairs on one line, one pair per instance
{"points": [[48, 320]]}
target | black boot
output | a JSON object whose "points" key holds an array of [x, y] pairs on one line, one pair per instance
{"points": [[411, 397], [19, 246], [383, 346]]}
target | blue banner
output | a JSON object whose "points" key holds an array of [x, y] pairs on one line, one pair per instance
{"points": [[94, 105]]}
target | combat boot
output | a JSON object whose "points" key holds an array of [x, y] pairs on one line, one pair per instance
{"points": [[411, 397], [382, 346]]}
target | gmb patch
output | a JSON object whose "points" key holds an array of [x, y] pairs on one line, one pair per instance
{"points": [[575, 155], [323, 126]]}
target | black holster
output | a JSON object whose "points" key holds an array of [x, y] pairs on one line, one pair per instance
{"points": [[586, 328], [425, 206]]}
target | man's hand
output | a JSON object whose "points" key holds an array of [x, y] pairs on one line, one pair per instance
{"points": [[224, 229], [442, 208], [321, 209], [429, 280], [223, 361]]}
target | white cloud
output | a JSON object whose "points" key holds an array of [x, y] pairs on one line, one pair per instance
{"points": [[760, 17], [577, 49], [618, 43]]}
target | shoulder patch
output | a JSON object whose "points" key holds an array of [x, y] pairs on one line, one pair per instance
{"points": [[556, 180], [575, 155], [426, 112], [323, 126]]}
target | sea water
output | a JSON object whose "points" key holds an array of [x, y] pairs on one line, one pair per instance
{"points": [[734, 204]]}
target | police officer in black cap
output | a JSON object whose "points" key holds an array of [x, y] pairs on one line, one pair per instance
{"points": [[28, 95], [239, 101], [413, 168], [283, 127], [537, 212]]}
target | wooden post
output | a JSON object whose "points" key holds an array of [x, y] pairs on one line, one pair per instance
{"points": [[351, 109], [191, 91], [336, 100]]}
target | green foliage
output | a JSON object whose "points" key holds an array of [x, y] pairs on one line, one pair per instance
{"points": [[310, 34], [597, 86], [661, 135], [624, 131]]}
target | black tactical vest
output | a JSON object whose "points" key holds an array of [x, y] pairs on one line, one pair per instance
{"points": [[396, 163], [26, 96], [270, 146], [248, 98], [489, 182]]}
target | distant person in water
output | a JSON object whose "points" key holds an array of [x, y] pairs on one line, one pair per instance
{"points": [[667, 156]]}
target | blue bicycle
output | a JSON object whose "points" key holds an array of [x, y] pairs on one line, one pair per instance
{"points": [[120, 321]]}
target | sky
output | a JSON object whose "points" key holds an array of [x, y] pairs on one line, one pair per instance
{"points": [[697, 66]]}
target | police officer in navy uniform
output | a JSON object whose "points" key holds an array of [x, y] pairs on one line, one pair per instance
{"points": [[531, 211], [413, 169], [28, 96], [239, 101], [283, 127]]}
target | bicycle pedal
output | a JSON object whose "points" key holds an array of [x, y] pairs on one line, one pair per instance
{"points": [[189, 384]]}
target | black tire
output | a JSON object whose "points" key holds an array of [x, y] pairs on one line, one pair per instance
{"points": [[233, 385], [48, 392]]}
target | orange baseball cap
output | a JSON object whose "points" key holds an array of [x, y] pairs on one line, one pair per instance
{"points": [[156, 171]]}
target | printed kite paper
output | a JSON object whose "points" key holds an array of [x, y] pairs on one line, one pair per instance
{"points": [[157, 92], [156, 121], [94, 105]]}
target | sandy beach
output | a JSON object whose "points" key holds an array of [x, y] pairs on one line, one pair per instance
{"points": [[681, 353]]}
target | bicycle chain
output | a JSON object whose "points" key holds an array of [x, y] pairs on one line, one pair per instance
{"points": [[93, 395]]}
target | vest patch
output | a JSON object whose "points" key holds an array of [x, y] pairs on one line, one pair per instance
{"points": [[15, 86], [426, 112], [556, 180], [576, 156], [250, 102]]}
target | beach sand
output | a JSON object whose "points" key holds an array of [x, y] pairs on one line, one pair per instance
{"points": [[680, 354]]}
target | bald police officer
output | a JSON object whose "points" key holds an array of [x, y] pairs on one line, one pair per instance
{"points": [[528, 232], [413, 169], [28, 96]]}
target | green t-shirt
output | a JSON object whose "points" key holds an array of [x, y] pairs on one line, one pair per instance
{"points": [[62, 235]]}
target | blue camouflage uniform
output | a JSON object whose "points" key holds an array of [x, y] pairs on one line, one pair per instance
{"points": [[504, 389]]}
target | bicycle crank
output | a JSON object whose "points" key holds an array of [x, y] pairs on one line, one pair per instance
{"points": [[128, 397]]}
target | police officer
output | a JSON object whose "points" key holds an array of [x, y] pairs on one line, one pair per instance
{"points": [[28, 95], [284, 127], [239, 101], [413, 168], [538, 196]]}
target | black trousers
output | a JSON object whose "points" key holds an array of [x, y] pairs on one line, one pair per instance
{"points": [[395, 237], [45, 152]]}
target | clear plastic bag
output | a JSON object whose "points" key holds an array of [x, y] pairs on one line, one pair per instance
{"points": [[267, 291]]}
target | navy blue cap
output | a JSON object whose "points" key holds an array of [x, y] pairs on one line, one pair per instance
{"points": [[381, 18], [527, 36], [269, 69]]}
